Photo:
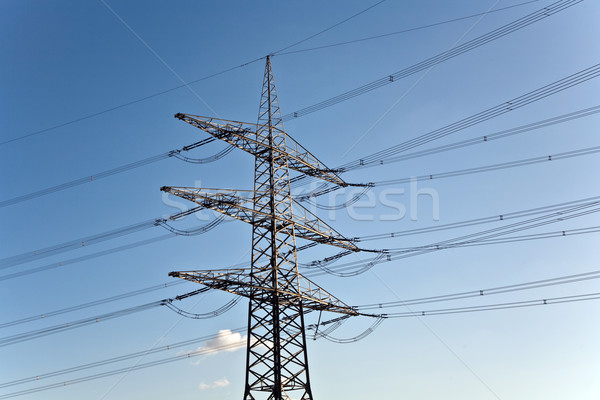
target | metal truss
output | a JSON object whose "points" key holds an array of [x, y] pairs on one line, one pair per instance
{"points": [[279, 296], [243, 136], [305, 224]]}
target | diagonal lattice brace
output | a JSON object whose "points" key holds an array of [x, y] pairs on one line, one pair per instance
{"points": [[305, 224], [243, 135], [238, 281]]}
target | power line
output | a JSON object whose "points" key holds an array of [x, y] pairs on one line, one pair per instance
{"points": [[101, 237], [488, 138], [357, 268], [37, 333], [405, 30], [326, 29], [123, 370], [386, 255], [63, 263], [440, 175], [184, 85], [505, 107], [337, 322], [493, 167], [390, 153], [91, 304], [34, 334], [459, 224], [129, 103], [477, 221], [177, 153], [552, 9], [117, 359], [497, 306], [561, 280], [358, 163], [463, 48]]}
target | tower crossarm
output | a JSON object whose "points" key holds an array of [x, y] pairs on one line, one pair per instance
{"points": [[305, 224], [238, 281], [243, 136]]}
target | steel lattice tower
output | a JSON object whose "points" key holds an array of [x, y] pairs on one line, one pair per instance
{"points": [[276, 359]]}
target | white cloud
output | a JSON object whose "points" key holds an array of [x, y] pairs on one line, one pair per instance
{"points": [[223, 382], [224, 341], [219, 383]]}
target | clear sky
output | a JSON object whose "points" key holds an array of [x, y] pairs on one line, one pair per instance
{"points": [[66, 60]]}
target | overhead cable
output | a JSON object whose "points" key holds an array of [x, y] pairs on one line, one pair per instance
{"points": [[78, 307], [184, 85], [117, 170], [514, 26], [505, 107], [560, 280], [327, 46], [112, 360], [101, 237], [497, 306]]}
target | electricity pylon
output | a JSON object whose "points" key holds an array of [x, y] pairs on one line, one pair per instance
{"points": [[276, 358]]}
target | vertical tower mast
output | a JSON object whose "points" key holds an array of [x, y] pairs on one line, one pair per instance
{"points": [[276, 361]]}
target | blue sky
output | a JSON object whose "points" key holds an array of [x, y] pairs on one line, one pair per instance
{"points": [[65, 60]]}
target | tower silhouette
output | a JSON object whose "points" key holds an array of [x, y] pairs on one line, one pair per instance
{"points": [[279, 296]]}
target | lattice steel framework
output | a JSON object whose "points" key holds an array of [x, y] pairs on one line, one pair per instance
{"points": [[276, 361]]}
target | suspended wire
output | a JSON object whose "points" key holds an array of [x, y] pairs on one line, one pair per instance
{"points": [[194, 231], [78, 307], [498, 306], [450, 174], [119, 359], [327, 260], [123, 168], [493, 35], [518, 102], [75, 244], [201, 351], [326, 29], [458, 50], [354, 339], [324, 333], [395, 254], [34, 334], [492, 167], [85, 179], [208, 159], [362, 163], [101, 237], [561, 280], [186, 84], [477, 221], [359, 268], [356, 197], [219, 311], [537, 236], [488, 138], [129, 103], [367, 266], [335, 324], [85, 258], [301, 178], [135, 367], [404, 30]]}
